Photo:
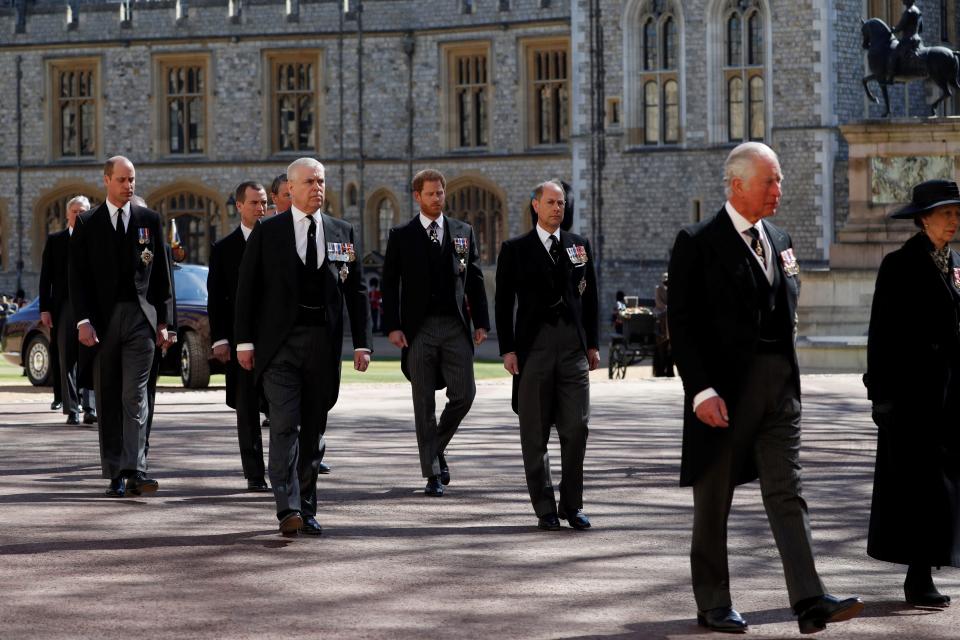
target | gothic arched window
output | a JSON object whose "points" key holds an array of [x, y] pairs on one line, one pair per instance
{"points": [[483, 209], [743, 69], [653, 45], [199, 221]]}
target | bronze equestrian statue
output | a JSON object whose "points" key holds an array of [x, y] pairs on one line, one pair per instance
{"points": [[891, 60]]}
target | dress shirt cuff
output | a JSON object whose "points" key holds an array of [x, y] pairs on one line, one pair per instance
{"points": [[363, 349], [245, 346], [84, 321], [218, 343], [704, 395]]}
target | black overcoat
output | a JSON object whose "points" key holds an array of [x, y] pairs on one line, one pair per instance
{"points": [[266, 306], [714, 320], [406, 276], [913, 364]]}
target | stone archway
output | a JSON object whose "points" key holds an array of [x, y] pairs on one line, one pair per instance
{"points": [[199, 214], [50, 213], [483, 206]]}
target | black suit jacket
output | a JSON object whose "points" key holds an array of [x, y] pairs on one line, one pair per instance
{"points": [[266, 309], [225, 258], [714, 325], [523, 268], [53, 273], [406, 273], [94, 267]]}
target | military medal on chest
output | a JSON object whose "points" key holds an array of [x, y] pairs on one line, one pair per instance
{"points": [[789, 262], [956, 277], [577, 254], [344, 253], [583, 285], [462, 247], [143, 238]]}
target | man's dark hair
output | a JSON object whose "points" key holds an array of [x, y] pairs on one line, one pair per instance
{"points": [[275, 185], [427, 175], [240, 195]]}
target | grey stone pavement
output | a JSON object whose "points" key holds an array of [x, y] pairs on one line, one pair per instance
{"points": [[202, 559]]}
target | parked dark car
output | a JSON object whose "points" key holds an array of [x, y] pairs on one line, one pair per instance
{"points": [[25, 342]]}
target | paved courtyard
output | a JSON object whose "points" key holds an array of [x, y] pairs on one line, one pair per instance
{"points": [[202, 559]]}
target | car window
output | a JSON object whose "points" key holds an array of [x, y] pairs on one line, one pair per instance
{"points": [[190, 286]]}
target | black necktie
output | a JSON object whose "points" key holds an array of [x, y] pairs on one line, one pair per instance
{"points": [[757, 246], [434, 229], [554, 248], [120, 230], [312, 244]]}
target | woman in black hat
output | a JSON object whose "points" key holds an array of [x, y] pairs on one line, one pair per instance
{"points": [[913, 380]]}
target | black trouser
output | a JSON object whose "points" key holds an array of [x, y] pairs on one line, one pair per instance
{"points": [[554, 390], [764, 427], [297, 384], [247, 404]]}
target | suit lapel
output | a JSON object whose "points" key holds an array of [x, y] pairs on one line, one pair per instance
{"points": [[732, 254]]}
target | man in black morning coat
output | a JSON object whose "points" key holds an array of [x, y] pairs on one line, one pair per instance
{"points": [[733, 298], [432, 292], [299, 270], [242, 391], [550, 345], [56, 313], [120, 290]]}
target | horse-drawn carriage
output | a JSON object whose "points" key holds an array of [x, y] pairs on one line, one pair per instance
{"points": [[639, 331]]}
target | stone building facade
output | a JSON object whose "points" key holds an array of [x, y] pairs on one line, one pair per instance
{"points": [[635, 102]]}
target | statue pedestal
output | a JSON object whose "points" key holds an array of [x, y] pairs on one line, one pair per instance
{"points": [[886, 158]]}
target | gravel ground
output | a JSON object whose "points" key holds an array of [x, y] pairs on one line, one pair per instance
{"points": [[202, 558]]}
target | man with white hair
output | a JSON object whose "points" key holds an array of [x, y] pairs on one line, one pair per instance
{"points": [[734, 284], [56, 313], [299, 269]]}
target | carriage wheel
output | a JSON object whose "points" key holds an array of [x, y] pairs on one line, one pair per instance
{"points": [[617, 368]]}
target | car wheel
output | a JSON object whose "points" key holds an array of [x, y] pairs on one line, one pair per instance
{"points": [[36, 360], [194, 365]]}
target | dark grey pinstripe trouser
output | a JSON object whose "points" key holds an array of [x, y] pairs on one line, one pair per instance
{"points": [[765, 426], [439, 347]]}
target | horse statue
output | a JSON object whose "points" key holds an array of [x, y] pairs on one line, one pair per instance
{"points": [[938, 64]]}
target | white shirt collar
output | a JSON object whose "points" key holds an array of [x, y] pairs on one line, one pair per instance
{"points": [[113, 208], [545, 235], [245, 231], [425, 221], [299, 215], [740, 223]]}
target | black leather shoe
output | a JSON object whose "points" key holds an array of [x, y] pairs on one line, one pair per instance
{"points": [[311, 527], [139, 483], [56, 405], [444, 469], [549, 522], [722, 619], [324, 468], [73, 418], [813, 614], [579, 520], [116, 488], [89, 418], [257, 485], [925, 595], [434, 487], [291, 524]]}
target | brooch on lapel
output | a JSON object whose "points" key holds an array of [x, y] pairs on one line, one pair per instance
{"points": [[956, 277], [789, 262], [146, 256], [343, 253], [578, 255], [462, 247], [582, 286]]}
